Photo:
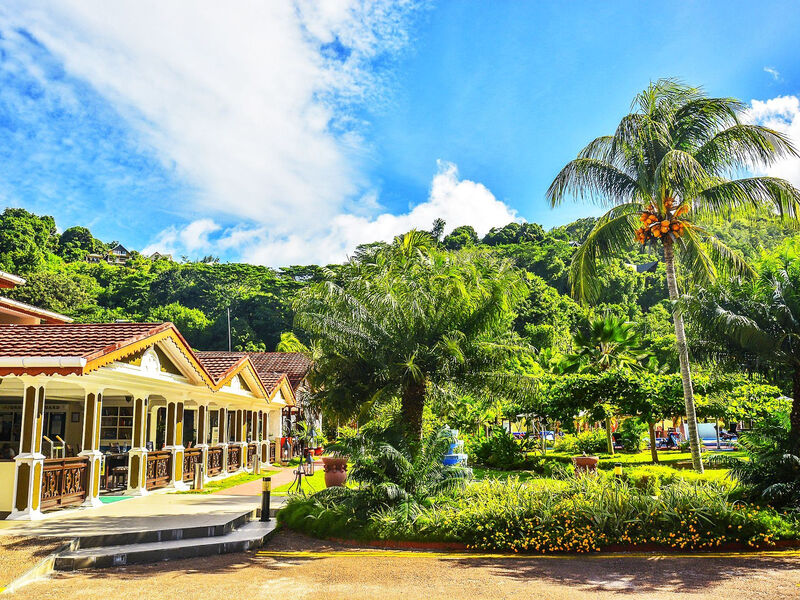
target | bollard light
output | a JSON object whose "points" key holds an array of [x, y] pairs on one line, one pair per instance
{"points": [[266, 489], [618, 470]]}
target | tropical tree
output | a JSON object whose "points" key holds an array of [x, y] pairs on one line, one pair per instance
{"points": [[759, 319], [668, 165], [609, 343], [412, 318]]}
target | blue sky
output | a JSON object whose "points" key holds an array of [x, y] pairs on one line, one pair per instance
{"points": [[289, 132]]}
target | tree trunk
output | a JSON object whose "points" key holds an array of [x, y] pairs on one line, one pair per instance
{"points": [[683, 358], [609, 439], [794, 417], [653, 450], [412, 402]]}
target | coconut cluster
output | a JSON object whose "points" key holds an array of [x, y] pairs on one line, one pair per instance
{"points": [[656, 226]]}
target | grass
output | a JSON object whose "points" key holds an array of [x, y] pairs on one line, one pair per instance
{"points": [[486, 473], [665, 457], [228, 482], [316, 483]]}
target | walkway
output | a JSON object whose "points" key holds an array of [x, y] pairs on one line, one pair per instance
{"points": [[253, 488], [335, 575], [161, 510]]}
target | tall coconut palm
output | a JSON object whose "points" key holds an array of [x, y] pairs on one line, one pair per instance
{"points": [[668, 165]]}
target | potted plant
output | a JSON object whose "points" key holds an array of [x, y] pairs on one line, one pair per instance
{"points": [[335, 470], [585, 464]]}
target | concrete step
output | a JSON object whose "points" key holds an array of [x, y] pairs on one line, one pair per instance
{"points": [[248, 536], [165, 535]]}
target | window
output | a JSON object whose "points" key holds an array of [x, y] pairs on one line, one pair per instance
{"points": [[116, 424]]}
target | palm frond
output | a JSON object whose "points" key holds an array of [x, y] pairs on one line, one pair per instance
{"points": [[613, 233], [743, 144], [695, 257], [599, 181], [749, 195]]}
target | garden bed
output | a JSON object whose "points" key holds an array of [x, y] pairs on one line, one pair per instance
{"points": [[544, 516]]}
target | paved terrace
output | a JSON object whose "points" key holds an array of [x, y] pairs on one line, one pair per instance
{"points": [[152, 512]]}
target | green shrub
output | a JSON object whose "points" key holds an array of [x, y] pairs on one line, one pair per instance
{"points": [[630, 434], [500, 451], [589, 442]]}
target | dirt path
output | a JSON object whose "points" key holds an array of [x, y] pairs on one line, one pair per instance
{"points": [[415, 575], [20, 553]]}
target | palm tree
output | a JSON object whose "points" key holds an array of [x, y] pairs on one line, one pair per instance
{"points": [[667, 166], [411, 318], [610, 343], [759, 318]]}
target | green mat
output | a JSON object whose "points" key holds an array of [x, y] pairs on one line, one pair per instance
{"points": [[110, 499]]}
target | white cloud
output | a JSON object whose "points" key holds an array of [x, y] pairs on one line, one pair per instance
{"points": [[782, 114], [457, 201], [250, 103], [776, 75]]}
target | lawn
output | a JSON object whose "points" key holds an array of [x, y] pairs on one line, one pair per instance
{"points": [[665, 457], [312, 484], [228, 482]]}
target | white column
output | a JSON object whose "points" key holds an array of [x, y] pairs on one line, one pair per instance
{"points": [[202, 437], [137, 455], [30, 460], [174, 439], [92, 410], [222, 419]]}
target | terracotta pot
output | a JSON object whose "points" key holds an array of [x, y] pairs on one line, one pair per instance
{"points": [[335, 471], [585, 464]]}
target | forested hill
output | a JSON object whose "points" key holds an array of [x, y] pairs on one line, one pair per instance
{"points": [[195, 294]]}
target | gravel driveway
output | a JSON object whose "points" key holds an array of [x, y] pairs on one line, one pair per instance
{"points": [[354, 576]]}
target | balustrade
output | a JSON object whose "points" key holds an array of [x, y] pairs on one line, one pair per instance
{"points": [[64, 481], [252, 450], [214, 461], [191, 457], [159, 467], [234, 457]]}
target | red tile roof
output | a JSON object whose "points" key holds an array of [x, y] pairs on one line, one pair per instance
{"points": [[294, 364], [7, 280], [221, 364], [79, 340], [17, 307]]}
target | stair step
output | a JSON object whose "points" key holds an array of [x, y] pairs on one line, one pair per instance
{"points": [[248, 536], [165, 535]]}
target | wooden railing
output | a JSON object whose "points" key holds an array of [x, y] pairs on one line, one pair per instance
{"points": [[64, 481], [159, 468], [191, 457], [234, 457], [252, 450], [214, 461]]}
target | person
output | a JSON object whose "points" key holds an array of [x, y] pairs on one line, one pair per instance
{"points": [[7, 453]]}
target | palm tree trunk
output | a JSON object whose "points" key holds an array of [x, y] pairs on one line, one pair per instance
{"points": [[412, 403], [683, 358], [609, 439], [653, 450], [794, 417]]}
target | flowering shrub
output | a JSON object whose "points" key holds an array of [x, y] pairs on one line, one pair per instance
{"points": [[589, 514], [580, 515]]}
